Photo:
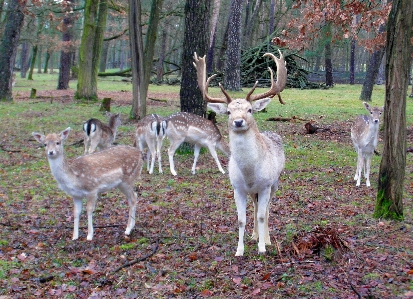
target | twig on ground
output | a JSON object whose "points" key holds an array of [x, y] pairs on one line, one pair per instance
{"points": [[154, 250], [354, 290]]}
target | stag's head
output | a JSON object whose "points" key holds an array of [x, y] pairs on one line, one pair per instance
{"points": [[240, 110]]}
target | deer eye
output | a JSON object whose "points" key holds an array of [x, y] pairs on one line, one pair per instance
{"points": [[228, 112], [58, 143], [250, 110]]}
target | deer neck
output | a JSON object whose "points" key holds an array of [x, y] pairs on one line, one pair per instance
{"points": [[246, 146], [61, 171]]}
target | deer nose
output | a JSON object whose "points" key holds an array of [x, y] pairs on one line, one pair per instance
{"points": [[238, 123], [376, 120], [51, 153]]}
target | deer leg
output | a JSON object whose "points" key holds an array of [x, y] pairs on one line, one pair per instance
{"points": [[132, 199], [90, 208], [215, 156], [148, 157], [152, 152], [94, 142], [241, 203], [263, 201], [158, 154], [197, 148], [171, 151], [266, 230], [367, 170], [86, 141], [255, 230], [359, 167], [76, 215]]}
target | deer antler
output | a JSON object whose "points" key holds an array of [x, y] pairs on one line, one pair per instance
{"points": [[200, 65], [276, 87]]}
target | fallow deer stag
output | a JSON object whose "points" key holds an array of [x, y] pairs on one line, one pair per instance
{"points": [[192, 128], [89, 175], [364, 134], [257, 159], [150, 133], [99, 135]]}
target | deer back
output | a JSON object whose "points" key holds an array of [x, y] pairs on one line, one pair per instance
{"points": [[193, 128]]}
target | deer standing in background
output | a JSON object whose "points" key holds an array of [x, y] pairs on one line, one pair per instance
{"points": [[150, 133], [192, 128], [364, 134], [257, 159], [89, 175], [99, 135]]}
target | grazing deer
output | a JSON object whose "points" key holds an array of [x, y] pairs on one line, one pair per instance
{"points": [[99, 135], [89, 175], [192, 128], [150, 133], [257, 159], [364, 134]]}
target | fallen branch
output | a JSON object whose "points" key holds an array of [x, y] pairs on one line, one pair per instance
{"points": [[293, 118], [158, 100], [9, 150]]}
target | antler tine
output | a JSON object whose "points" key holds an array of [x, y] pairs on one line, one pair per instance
{"points": [[276, 87], [200, 65], [252, 90]]}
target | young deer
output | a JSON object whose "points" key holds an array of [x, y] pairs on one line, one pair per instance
{"points": [[192, 128], [89, 175], [150, 133], [364, 134], [99, 135], [257, 159]]}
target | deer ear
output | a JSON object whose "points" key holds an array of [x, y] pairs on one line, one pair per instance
{"points": [[64, 133], [366, 105], [39, 137], [260, 104], [218, 108]]}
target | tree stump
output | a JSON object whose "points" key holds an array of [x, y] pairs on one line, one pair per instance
{"points": [[105, 106], [33, 93]]}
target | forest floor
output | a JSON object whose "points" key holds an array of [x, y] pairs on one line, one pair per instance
{"points": [[325, 242]]}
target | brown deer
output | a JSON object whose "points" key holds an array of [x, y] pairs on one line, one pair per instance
{"points": [[194, 129], [150, 133], [99, 135], [364, 134], [257, 158], [89, 175]]}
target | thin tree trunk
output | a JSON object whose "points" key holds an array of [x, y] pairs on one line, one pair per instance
{"points": [[136, 48], [24, 59], [159, 67], [232, 78], [8, 47], [389, 202], [32, 62], [46, 63], [66, 53], [352, 59], [39, 60], [212, 38], [371, 74], [328, 64]]}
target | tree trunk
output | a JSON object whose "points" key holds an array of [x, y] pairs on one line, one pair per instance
{"points": [[39, 60], [149, 49], [352, 60], [371, 74], [196, 39], [67, 52], [24, 59], [159, 66], [46, 63], [232, 77], [328, 64], [8, 47], [90, 48], [372, 71], [32, 62], [104, 56], [212, 38], [136, 48], [389, 202]]}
